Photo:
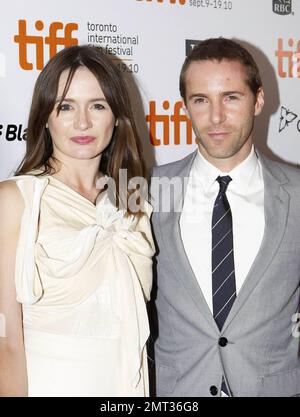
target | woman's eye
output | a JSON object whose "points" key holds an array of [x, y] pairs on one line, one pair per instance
{"points": [[98, 106], [64, 107]]}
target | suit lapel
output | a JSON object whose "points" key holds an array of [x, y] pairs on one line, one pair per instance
{"points": [[175, 249], [276, 206]]}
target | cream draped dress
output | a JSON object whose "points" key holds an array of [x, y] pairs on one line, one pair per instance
{"points": [[83, 273]]}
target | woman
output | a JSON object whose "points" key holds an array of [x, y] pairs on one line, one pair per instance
{"points": [[78, 264]]}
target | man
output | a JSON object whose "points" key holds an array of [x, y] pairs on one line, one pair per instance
{"points": [[228, 263]]}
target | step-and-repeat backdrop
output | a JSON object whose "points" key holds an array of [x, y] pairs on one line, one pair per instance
{"points": [[152, 38]]}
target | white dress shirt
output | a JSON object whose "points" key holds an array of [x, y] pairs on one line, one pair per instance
{"points": [[245, 194]]}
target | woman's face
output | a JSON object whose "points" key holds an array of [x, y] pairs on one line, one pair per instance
{"points": [[84, 126]]}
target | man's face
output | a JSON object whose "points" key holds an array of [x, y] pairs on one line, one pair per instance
{"points": [[222, 108]]}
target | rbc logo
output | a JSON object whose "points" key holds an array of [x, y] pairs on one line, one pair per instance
{"points": [[53, 40], [282, 7]]}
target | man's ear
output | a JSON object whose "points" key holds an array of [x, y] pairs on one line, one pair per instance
{"points": [[259, 102]]}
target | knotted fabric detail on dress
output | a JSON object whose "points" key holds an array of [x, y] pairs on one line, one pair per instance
{"points": [[114, 238]]}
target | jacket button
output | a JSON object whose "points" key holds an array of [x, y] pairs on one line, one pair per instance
{"points": [[223, 341], [213, 390]]}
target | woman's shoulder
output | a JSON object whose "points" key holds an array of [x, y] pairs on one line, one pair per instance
{"points": [[9, 189], [11, 202], [29, 178], [18, 188]]}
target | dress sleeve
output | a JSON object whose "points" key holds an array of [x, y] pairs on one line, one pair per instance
{"points": [[28, 284]]}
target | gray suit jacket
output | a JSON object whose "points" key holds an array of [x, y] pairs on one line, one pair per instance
{"points": [[262, 354]]}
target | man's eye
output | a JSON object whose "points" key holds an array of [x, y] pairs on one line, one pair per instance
{"points": [[200, 100], [232, 98]]}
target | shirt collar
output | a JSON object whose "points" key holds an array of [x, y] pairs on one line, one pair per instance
{"points": [[241, 175]]}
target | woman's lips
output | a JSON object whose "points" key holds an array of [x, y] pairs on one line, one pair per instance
{"points": [[83, 140]]}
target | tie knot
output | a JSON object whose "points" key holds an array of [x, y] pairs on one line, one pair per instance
{"points": [[224, 181]]}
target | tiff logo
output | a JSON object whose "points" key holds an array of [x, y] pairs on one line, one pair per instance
{"points": [[182, 2], [2, 66], [53, 40], [291, 59], [176, 119]]}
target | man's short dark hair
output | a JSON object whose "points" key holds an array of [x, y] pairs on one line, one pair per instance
{"points": [[222, 49]]}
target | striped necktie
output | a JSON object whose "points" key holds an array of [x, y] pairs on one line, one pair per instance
{"points": [[223, 275]]}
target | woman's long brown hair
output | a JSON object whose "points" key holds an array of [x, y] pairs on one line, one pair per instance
{"points": [[124, 150]]}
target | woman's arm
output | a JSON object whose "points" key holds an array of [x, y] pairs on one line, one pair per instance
{"points": [[13, 375]]}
